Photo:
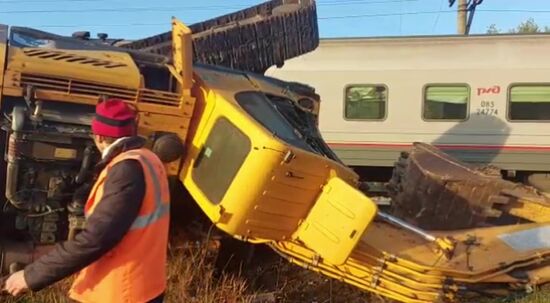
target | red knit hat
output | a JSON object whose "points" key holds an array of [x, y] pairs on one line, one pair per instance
{"points": [[114, 118]]}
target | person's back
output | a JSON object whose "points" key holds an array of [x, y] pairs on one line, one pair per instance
{"points": [[121, 253]]}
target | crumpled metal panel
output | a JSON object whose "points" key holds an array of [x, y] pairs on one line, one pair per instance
{"points": [[435, 191], [253, 39]]}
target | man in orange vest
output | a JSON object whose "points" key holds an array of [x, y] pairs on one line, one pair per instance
{"points": [[120, 256]]}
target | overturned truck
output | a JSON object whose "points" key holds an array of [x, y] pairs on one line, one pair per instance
{"points": [[254, 161]]}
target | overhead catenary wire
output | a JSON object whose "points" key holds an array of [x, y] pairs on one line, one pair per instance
{"points": [[116, 10], [382, 15], [321, 18], [45, 1], [183, 8], [173, 8], [360, 2], [100, 25], [330, 2], [438, 15], [428, 12]]}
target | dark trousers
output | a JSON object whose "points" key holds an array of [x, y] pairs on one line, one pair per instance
{"points": [[158, 299]]}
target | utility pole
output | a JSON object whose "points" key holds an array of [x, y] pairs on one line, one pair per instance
{"points": [[461, 17], [464, 20]]}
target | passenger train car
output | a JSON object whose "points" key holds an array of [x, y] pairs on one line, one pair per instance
{"points": [[484, 99]]}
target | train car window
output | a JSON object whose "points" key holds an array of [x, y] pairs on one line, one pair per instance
{"points": [[529, 102], [446, 102], [366, 102]]}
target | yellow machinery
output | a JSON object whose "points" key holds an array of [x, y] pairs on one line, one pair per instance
{"points": [[255, 163]]}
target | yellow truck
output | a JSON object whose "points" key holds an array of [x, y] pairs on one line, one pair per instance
{"points": [[253, 161]]}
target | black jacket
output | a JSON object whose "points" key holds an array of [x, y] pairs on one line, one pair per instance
{"points": [[124, 190]]}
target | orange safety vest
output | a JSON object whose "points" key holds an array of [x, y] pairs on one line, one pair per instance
{"points": [[134, 270]]}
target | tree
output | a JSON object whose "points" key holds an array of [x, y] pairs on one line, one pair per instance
{"points": [[528, 26], [493, 29]]}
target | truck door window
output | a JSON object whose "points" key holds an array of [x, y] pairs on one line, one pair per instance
{"points": [[365, 102], [446, 102], [220, 159], [529, 102]]}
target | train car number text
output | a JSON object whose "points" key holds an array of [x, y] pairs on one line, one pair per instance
{"points": [[487, 109]]}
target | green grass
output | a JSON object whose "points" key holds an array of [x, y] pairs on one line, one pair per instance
{"points": [[539, 296]]}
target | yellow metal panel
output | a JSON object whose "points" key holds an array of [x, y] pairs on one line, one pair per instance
{"points": [[337, 221], [125, 74], [65, 153], [182, 69], [3, 48], [152, 122], [530, 210], [182, 52], [289, 192]]}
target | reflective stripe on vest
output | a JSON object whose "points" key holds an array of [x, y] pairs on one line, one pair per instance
{"points": [[161, 208]]}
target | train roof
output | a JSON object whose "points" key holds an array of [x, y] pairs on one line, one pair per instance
{"points": [[506, 36], [475, 52]]}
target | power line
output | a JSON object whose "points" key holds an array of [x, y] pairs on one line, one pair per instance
{"points": [[382, 15], [320, 18], [319, 3], [330, 2], [47, 1], [220, 7], [118, 10], [358, 2], [438, 15], [513, 11], [101, 25], [207, 8], [178, 8], [430, 12]]}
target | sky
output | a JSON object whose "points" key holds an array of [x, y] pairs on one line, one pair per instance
{"points": [[132, 19]]}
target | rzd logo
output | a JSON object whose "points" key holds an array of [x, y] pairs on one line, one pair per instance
{"points": [[494, 90]]}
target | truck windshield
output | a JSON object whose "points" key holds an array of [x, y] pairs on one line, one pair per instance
{"points": [[284, 119], [264, 112]]}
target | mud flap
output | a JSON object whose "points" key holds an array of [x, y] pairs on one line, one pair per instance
{"points": [[337, 221]]}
